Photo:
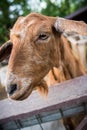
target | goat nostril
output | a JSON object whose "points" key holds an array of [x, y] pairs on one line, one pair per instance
{"points": [[12, 88]]}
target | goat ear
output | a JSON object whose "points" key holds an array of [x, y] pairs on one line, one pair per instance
{"points": [[65, 25], [5, 50]]}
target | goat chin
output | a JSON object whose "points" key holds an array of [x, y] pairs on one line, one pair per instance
{"points": [[25, 92]]}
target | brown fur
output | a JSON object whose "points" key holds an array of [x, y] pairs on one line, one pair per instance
{"points": [[67, 62], [34, 58], [40, 54]]}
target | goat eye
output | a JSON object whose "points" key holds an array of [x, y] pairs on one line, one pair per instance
{"points": [[42, 36]]}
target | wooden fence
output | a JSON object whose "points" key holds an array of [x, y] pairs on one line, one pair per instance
{"points": [[70, 97]]}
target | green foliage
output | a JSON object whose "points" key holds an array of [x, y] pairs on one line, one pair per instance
{"points": [[63, 8], [11, 9], [9, 12], [51, 9]]}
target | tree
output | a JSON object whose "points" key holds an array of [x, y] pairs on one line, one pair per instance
{"points": [[63, 8], [11, 9], [9, 12]]}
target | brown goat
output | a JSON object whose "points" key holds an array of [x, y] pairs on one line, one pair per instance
{"points": [[36, 46], [40, 55]]}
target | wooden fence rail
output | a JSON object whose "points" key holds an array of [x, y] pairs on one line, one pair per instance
{"points": [[61, 96]]}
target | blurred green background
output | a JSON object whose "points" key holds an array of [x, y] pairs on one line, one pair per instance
{"points": [[11, 9]]}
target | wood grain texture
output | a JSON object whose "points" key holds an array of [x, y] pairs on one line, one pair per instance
{"points": [[69, 93]]}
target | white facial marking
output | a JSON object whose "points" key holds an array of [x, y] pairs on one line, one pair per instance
{"points": [[22, 32], [22, 20], [30, 23]]}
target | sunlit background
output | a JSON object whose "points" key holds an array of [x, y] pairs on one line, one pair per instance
{"points": [[11, 9]]}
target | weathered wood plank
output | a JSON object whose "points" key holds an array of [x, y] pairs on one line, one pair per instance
{"points": [[69, 93], [83, 124]]}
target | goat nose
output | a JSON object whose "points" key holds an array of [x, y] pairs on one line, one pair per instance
{"points": [[11, 89]]}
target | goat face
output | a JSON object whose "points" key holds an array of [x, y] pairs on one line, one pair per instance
{"points": [[30, 58], [33, 52]]}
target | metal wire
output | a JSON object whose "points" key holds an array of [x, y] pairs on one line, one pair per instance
{"points": [[64, 120], [18, 123], [85, 107], [39, 121]]}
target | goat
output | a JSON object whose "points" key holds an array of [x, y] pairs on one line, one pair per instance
{"points": [[38, 49], [36, 46]]}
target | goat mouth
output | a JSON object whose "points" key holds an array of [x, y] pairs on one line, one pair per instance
{"points": [[24, 96], [22, 93]]}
